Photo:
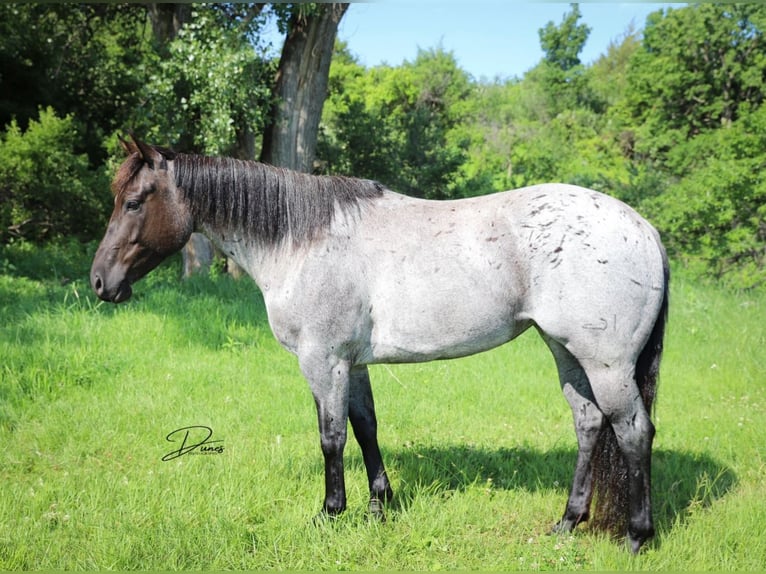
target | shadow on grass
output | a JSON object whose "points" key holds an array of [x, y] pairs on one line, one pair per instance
{"points": [[55, 279], [683, 482], [47, 304], [203, 307]]}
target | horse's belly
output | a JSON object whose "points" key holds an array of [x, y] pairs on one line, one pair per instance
{"points": [[425, 320], [411, 347]]}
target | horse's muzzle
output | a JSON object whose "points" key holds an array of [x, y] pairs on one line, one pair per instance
{"points": [[118, 294]]}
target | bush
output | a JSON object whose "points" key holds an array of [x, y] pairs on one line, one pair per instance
{"points": [[47, 190], [63, 261], [715, 214]]}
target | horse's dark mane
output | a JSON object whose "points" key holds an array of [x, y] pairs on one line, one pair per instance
{"points": [[269, 204]]}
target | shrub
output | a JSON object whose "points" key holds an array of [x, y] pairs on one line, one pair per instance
{"points": [[47, 189], [715, 214]]}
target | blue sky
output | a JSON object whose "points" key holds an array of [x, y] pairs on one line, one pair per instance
{"points": [[488, 38]]}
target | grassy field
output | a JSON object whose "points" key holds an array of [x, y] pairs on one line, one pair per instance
{"points": [[480, 450]]}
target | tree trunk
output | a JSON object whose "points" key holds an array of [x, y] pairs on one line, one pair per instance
{"points": [[301, 88], [167, 20], [197, 254], [290, 139]]}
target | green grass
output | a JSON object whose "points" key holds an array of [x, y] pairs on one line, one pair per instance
{"points": [[480, 451]]}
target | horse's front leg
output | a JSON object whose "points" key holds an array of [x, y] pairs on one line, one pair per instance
{"points": [[365, 425], [329, 382]]}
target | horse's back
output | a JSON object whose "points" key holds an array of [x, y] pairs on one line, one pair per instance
{"points": [[441, 276]]}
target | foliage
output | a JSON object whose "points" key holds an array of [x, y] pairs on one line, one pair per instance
{"points": [[561, 71], [211, 87], [397, 125], [716, 214], [517, 139], [562, 44], [698, 68], [669, 122], [668, 119], [607, 76], [695, 92], [86, 61], [57, 262], [47, 189]]}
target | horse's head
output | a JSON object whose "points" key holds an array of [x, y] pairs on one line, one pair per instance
{"points": [[150, 221]]}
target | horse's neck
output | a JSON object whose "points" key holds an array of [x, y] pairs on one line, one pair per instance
{"points": [[259, 261]]}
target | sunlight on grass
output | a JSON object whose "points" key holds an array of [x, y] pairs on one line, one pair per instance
{"points": [[480, 450]]}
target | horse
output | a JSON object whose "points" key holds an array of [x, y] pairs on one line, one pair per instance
{"points": [[354, 274]]}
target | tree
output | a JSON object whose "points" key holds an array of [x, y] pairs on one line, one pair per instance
{"points": [[167, 20], [696, 96], [697, 69], [212, 90], [561, 71], [562, 44], [715, 216], [46, 184], [290, 136], [608, 76], [553, 124], [209, 88], [208, 64], [400, 126], [83, 60]]}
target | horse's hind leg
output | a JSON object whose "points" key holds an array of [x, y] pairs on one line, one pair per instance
{"points": [[361, 411], [588, 421], [617, 394]]}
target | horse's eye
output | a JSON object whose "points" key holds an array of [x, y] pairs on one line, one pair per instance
{"points": [[132, 205]]}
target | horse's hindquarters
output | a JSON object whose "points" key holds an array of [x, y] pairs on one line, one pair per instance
{"points": [[596, 277]]}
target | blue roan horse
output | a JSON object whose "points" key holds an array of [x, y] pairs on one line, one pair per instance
{"points": [[354, 274]]}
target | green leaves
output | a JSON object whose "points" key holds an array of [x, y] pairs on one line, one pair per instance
{"points": [[212, 84], [715, 215], [79, 59], [562, 44], [695, 95], [696, 68], [401, 126], [561, 71], [670, 120], [46, 188]]}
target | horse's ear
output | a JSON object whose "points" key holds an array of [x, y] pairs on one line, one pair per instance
{"points": [[148, 153], [166, 153], [151, 155], [128, 147]]}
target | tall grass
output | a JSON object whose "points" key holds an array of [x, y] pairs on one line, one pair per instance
{"points": [[480, 450]]}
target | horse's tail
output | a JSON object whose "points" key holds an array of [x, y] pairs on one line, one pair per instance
{"points": [[610, 474]]}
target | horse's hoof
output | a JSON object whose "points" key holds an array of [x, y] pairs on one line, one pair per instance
{"points": [[563, 526], [636, 541], [376, 510]]}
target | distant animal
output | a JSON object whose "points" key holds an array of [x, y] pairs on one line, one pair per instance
{"points": [[354, 274]]}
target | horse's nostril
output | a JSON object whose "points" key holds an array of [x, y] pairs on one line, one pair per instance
{"points": [[97, 284]]}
